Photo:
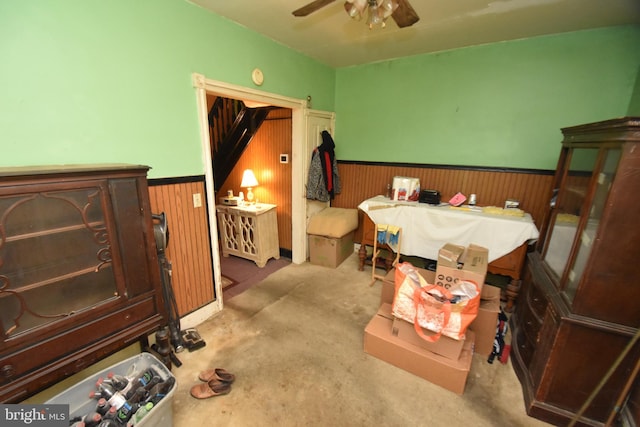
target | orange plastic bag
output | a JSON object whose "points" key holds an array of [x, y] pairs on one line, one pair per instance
{"points": [[443, 311]]}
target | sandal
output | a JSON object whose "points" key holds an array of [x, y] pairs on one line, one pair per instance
{"points": [[210, 389], [219, 374]]}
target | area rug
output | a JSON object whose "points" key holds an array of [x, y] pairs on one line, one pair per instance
{"points": [[245, 273], [226, 282]]}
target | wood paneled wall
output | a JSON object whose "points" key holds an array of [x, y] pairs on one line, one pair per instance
{"points": [[532, 189], [189, 250], [263, 156]]}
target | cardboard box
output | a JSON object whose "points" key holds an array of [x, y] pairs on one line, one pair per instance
{"points": [[459, 263], [444, 346], [485, 323], [330, 251], [388, 291], [447, 373]]}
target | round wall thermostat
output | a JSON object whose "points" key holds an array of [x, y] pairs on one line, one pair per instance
{"points": [[257, 76]]}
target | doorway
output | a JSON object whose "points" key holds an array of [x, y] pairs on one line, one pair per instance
{"points": [[299, 166]]}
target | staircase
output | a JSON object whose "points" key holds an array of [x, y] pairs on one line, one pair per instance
{"points": [[232, 125]]}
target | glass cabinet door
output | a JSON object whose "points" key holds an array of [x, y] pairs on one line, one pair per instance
{"points": [[55, 257], [580, 202], [602, 185]]}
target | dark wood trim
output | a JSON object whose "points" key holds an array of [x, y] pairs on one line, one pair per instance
{"points": [[450, 167], [176, 180]]}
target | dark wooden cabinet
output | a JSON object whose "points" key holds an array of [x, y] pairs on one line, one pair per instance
{"points": [[579, 306], [79, 273]]}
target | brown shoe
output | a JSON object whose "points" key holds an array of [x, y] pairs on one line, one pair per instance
{"points": [[210, 389], [219, 374]]}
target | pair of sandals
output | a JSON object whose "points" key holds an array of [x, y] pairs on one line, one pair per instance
{"points": [[215, 382]]}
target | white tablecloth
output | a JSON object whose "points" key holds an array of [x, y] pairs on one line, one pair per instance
{"points": [[425, 228]]}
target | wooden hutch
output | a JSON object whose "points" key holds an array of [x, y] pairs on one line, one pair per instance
{"points": [[79, 272], [575, 327]]}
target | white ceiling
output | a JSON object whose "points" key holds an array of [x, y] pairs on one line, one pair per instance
{"points": [[331, 37]]}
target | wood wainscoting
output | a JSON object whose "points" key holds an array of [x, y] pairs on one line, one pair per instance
{"points": [[532, 188], [189, 249]]}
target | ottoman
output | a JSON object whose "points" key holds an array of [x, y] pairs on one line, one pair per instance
{"points": [[330, 234]]}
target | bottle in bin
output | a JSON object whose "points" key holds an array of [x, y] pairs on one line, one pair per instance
{"points": [[113, 397], [92, 419], [102, 407], [121, 398], [160, 390], [142, 412], [119, 404], [145, 379], [154, 381], [125, 412], [129, 387], [119, 382], [139, 395]]}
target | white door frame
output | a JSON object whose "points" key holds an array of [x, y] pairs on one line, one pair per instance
{"points": [[299, 167]]}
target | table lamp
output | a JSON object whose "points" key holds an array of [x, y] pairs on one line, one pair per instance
{"points": [[249, 181]]}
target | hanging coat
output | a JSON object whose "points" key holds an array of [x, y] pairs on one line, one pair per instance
{"points": [[323, 182]]}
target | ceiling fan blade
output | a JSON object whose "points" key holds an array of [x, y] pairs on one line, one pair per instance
{"points": [[404, 15], [311, 7]]}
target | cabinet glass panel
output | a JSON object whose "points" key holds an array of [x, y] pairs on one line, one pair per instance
{"points": [[569, 208], [55, 257], [587, 236]]}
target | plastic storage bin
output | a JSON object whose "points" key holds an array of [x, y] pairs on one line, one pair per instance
{"points": [[77, 396]]}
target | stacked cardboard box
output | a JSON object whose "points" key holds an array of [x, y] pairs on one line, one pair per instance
{"points": [[447, 361], [457, 262], [380, 342]]}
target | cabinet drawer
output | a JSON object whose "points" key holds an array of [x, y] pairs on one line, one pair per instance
{"points": [[528, 323], [536, 300], [525, 347]]}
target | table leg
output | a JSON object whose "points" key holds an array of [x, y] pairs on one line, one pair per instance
{"points": [[362, 255], [513, 288]]}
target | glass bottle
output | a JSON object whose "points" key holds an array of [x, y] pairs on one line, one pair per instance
{"points": [[142, 412], [119, 382], [115, 398], [102, 407], [161, 390]]}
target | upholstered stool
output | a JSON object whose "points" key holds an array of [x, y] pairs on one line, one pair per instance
{"points": [[331, 236]]}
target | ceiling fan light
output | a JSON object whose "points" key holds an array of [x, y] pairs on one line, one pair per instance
{"points": [[356, 8], [354, 12], [372, 14], [390, 5]]}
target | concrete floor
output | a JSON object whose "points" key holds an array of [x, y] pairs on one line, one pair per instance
{"points": [[295, 344]]}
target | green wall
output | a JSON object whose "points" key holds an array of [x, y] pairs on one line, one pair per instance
{"points": [[85, 81], [501, 104]]}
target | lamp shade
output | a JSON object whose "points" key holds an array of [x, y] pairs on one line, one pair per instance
{"points": [[248, 179]]}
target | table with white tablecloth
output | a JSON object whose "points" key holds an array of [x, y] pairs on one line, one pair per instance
{"points": [[426, 228]]}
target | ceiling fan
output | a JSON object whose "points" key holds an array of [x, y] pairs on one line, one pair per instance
{"points": [[378, 11]]}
